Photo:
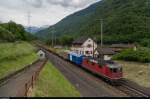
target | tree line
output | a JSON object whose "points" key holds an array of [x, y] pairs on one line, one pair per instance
{"points": [[12, 31]]}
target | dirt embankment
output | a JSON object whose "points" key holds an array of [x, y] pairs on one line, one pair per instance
{"points": [[137, 72]]}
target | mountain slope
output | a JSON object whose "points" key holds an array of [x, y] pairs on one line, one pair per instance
{"points": [[124, 21], [34, 29]]}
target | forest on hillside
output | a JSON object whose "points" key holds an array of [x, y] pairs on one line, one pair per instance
{"points": [[125, 21]]}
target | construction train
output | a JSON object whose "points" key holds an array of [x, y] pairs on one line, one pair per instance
{"points": [[108, 70]]}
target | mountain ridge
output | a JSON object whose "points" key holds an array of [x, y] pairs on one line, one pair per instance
{"points": [[34, 29], [128, 20]]}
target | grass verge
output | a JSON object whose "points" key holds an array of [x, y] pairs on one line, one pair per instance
{"points": [[53, 84], [14, 56]]}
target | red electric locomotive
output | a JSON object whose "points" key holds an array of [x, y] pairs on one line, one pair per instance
{"points": [[107, 69]]}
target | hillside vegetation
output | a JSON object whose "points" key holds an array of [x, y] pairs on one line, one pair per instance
{"points": [[140, 55], [14, 56], [125, 21], [6, 35], [11, 31]]}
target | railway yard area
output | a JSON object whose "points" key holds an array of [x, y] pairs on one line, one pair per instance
{"points": [[134, 71], [90, 85], [49, 78]]}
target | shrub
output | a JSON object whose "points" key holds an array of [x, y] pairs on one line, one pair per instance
{"points": [[145, 42], [141, 55]]}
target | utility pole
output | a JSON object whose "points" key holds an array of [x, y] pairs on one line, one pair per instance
{"points": [[55, 40], [53, 37], [52, 40], [94, 46], [101, 32], [29, 16]]}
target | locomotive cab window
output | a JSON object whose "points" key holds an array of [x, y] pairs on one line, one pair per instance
{"points": [[114, 70]]}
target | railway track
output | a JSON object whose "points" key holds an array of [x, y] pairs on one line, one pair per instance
{"points": [[130, 90], [124, 86]]}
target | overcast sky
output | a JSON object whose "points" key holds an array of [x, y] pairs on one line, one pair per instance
{"points": [[43, 12]]}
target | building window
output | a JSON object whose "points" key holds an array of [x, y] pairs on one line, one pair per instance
{"points": [[89, 45], [91, 52], [76, 51], [83, 52], [87, 52]]}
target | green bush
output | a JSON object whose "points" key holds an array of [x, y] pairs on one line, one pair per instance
{"points": [[6, 35], [141, 55], [145, 42]]}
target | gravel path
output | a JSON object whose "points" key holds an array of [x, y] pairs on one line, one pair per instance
{"points": [[15, 86], [87, 84]]}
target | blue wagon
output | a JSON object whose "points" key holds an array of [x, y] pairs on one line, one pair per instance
{"points": [[75, 58]]}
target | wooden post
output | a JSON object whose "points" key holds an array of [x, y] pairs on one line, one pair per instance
{"points": [[32, 81], [35, 77], [26, 89]]}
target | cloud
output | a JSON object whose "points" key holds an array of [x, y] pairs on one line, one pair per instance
{"points": [[34, 3], [43, 12], [70, 3], [40, 3]]}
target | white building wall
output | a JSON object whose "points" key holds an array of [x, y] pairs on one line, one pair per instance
{"points": [[107, 57], [84, 48]]}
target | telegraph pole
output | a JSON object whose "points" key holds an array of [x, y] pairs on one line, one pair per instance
{"points": [[55, 40], [53, 37], [101, 32], [29, 16], [94, 46], [52, 40]]}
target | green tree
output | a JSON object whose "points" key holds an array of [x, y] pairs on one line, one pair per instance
{"points": [[66, 40]]}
